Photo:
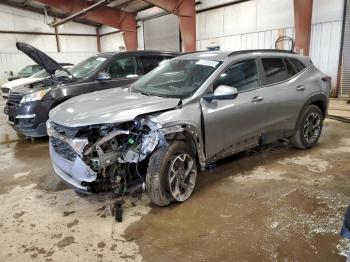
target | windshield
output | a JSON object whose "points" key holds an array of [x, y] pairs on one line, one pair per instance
{"points": [[26, 70], [176, 78], [86, 67], [40, 74]]}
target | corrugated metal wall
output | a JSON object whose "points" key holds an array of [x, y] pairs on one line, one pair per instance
{"points": [[325, 48], [345, 76], [112, 42], [74, 48]]}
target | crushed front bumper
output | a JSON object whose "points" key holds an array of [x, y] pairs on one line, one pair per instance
{"points": [[75, 173]]}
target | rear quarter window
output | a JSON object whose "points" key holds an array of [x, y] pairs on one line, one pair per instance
{"points": [[299, 66]]}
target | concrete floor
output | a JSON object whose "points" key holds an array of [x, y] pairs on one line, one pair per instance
{"points": [[274, 203]]}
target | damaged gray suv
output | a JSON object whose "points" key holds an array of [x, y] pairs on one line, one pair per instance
{"points": [[188, 112]]}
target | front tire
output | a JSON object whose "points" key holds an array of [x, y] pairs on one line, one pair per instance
{"points": [[309, 129], [171, 174]]}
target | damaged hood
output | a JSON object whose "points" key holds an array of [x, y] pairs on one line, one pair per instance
{"points": [[108, 106], [40, 58]]}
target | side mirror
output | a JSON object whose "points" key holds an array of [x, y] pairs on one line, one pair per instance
{"points": [[103, 76], [222, 93]]}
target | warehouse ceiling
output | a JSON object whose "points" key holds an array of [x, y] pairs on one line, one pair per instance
{"points": [[132, 6]]}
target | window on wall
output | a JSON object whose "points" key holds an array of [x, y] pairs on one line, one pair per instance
{"points": [[123, 67], [275, 70], [242, 75]]}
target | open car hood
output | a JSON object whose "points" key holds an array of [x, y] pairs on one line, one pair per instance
{"points": [[108, 106], [40, 58]]}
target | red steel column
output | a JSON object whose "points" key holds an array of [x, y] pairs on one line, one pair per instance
{"points": [[187, 20], [186, 11], [302, 21], [113, 17]]}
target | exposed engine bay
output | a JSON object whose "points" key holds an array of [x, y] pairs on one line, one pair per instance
{"points": [[111, 156]]}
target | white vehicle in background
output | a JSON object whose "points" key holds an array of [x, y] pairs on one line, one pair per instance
{"points": [[32, 80]]}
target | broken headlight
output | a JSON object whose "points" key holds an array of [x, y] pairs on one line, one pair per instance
{"points": [[146, 136], [35, 96]]}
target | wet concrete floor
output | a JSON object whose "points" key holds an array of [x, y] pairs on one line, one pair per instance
{"points": [[269, 204]]}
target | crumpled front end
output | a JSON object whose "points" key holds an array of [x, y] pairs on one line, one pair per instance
{"points": [[104, 157]]}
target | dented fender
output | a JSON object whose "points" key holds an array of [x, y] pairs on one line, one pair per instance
{"points": [[193, 132]]}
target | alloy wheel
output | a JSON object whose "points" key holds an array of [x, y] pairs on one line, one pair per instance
{"points": [[182, 176], [312, 127]]}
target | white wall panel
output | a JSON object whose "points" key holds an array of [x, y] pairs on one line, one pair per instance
{"points": [[76, 28], [78, 43], [325, 47], [240, 18], [140, 39], [112, 42], [210, 24], [327, 11], [14, 19], [247, 17], [107, 29], [6, 18], [211, 3], [274, 14], [46, 43]]}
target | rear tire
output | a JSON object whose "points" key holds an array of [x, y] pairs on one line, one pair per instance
{"points": [[164, 185], [309, 129]]}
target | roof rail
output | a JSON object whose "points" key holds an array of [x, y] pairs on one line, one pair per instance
{"points": [[261, 50], [193, 52]]}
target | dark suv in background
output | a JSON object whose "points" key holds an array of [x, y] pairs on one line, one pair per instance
{"points": [[28, 107]]}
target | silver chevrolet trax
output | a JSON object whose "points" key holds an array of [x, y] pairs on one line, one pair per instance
{"points": [[188, 112]]}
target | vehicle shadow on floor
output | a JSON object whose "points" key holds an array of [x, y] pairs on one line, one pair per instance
{"points": [[244, 162]]}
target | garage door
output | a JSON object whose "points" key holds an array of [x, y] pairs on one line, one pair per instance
{"points": [[345, 80], [162, 33]]}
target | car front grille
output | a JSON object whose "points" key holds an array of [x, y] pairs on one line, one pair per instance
{"points": [[63, 149], [14, 98]]}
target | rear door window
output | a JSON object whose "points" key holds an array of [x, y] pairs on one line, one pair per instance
{"points": [[149, 62], [123, 67], [242, 75], [275, 70]]}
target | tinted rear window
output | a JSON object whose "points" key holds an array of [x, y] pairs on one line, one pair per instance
{"points": [[290, 68], [275, 70], [299, 66]]}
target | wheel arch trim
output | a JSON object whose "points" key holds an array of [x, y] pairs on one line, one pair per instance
{"points": [[187, 131], [313, 100]]}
